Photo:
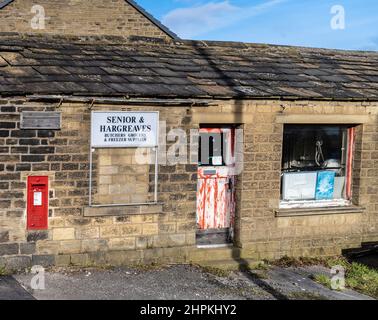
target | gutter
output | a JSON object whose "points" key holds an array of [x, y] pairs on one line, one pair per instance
{"points": [[121, 101]]}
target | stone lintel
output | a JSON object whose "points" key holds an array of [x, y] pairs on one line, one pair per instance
{"points": [[322, 119]]}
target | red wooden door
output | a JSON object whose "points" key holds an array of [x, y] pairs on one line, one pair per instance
{"points": [[216, 179]]}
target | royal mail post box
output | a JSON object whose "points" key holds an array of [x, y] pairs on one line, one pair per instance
{"points": [[37, 210]]}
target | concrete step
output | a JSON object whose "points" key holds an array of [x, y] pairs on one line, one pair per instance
{"points": [[230, 264], [213, 253], [221, 257]]}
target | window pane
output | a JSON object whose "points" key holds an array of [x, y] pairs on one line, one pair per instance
{"points": [[211, 147], [313, 162]]}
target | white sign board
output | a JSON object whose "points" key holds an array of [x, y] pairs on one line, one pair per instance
{"points": [[124, 129]]}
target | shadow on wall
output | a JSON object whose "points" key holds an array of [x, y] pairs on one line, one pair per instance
{"points": [[230, 83], [242, 263]]}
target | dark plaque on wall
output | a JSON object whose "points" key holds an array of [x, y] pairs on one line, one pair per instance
{"points": [[41, 120]]}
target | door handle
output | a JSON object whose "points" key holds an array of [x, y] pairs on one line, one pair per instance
{"points": [[229, 184]]}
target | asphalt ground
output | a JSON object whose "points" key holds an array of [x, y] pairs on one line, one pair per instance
{"points": [[175, 282]]}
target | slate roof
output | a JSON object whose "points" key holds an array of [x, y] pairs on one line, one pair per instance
{"points": [[136, 6], [142, 67], [4, 3]]}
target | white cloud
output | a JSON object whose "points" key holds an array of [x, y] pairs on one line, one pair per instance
{"points": [[200, 19], [189, 22]]}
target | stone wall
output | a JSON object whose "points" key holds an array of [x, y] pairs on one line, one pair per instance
{"points": [[166, 231], [63, 155], [120, 179], [79, 17]]}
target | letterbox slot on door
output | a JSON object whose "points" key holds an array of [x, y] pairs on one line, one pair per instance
{"points": [[210, 172]]}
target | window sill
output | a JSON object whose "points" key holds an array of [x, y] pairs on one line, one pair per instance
{"points": [[297, 212], [111, 211]]}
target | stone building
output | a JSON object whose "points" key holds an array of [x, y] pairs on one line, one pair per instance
{"points": [[262, 150]]}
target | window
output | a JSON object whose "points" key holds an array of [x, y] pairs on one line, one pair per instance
{"points": [[316, 165], [216, 147], [211, 149]]}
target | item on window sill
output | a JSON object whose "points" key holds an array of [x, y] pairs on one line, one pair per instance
{"points": [[333, 164], [325, 185], [319, 157], [339, 188], [299, 185]]}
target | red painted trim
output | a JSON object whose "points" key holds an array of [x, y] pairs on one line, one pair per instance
{"points": [[349, 166], [210, 130], [232, 142]]}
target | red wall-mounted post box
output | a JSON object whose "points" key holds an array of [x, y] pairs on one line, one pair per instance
{"points": [[38, 199]]}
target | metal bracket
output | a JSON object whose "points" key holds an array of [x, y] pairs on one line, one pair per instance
{"points": [[91, 105], [60, 103]]}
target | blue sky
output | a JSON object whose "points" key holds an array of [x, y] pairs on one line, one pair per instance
{"points": [[290, 22]]}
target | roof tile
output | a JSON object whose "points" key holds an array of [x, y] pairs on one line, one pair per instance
{"points": [[117, 66]]}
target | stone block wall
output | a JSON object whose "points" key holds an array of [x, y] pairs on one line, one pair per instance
{"points": [[166, 231], [120, 179], [79, 17], [63, 156]]}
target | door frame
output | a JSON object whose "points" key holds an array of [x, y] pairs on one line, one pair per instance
{"points": [[203, 236]]}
